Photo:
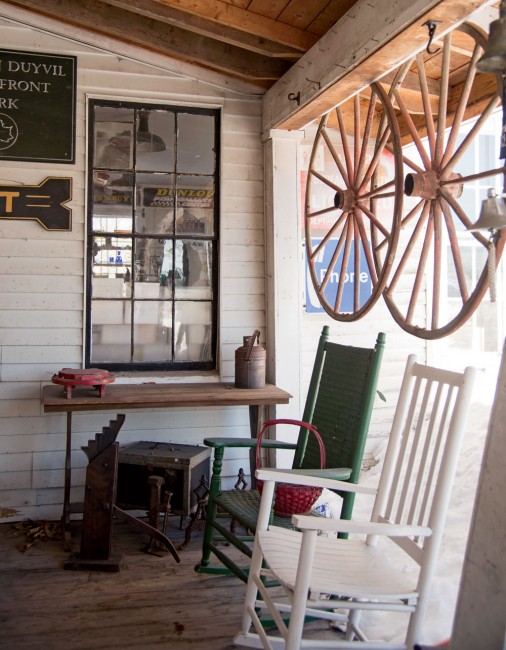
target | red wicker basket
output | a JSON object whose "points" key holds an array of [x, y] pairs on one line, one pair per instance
{"points": [[292, 499]]}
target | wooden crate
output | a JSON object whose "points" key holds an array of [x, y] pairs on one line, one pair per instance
{"points": [[180, 465]]}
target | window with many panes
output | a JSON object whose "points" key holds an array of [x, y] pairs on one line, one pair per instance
{"points": [[152, 237]]}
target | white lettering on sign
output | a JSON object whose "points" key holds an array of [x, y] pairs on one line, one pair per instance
{"points": [[49, 69], [8, 102], [25, 86], [349, 277]]}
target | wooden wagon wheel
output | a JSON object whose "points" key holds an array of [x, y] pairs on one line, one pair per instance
{"points": [[435, 226], [353, 207]]}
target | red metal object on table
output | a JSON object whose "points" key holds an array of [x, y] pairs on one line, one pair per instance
{"points": [[70, 377]]}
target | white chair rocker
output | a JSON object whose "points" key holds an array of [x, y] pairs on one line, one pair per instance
{"points": [[342, 580]]}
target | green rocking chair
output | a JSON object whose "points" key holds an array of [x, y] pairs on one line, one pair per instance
{"points": [[339, 404]]}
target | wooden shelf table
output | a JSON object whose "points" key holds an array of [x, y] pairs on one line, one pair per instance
{"points": [[153, 396]]}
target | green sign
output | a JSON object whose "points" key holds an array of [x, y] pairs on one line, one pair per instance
{"points": [[37, 107]]}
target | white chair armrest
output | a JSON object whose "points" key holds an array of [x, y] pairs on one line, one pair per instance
{"points": [[311, 477], [327, 524]]}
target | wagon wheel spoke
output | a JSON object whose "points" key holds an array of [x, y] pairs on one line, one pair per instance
{"points": [[410, 247], [353, 204], [464, 98], [455, 251], [427, 111], [443, 99], [470, 137], [433, 286]]}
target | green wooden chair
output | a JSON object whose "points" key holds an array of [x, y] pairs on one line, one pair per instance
{"points": [[339, 403]]}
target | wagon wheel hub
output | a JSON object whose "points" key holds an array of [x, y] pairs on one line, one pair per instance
{"points": [[427, 185], [345, 200]]}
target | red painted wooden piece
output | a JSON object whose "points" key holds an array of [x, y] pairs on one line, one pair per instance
{"points": [[70, 377]]}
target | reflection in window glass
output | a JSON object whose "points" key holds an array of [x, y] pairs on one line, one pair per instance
{"points": [[193, 322], [113, 137], [111, 331], [195, 205], [194, 269], [152, 331], [196, 150], [152, 224], [155, 141]]}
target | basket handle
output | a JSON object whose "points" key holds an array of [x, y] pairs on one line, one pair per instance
{"points": [[299, 423]]}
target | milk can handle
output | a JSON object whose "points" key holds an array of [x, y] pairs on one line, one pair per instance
{"points": [[256, 334]]}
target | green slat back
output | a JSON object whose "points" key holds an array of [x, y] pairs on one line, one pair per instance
{"points": [[343, 406]]}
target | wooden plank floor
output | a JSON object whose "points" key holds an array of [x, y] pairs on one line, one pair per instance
{"points": [[152, 602]]}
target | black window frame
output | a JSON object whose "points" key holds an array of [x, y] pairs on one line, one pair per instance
{"points": [[215, 238]]}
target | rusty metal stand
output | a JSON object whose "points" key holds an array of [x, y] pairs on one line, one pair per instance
{"points": [[198, 518], [157, 504]]}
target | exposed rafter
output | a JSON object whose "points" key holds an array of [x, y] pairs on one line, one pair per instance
{"points": [[306, 57], [355, 52]]}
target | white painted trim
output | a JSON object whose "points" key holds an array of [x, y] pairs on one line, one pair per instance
{"points": [[283, 279], [149, 100]]}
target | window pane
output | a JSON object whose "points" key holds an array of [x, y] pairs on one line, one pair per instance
{"points": [[110, 331], [466, 164], [112, 202], [114, 129], [152, 331], [195, 205], [488, 151], [193, 331], [153, 265], [194, 269], [112, 267], [155, 205], [155, 141], [195, 144]]}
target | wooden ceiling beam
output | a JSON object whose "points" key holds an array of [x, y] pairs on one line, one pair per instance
{"points": [[372, 39], [247, 21], [177, 18], [412, 82], [104, 19]]}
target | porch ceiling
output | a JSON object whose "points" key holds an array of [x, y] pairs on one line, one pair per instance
{"points": [[304, 57]]}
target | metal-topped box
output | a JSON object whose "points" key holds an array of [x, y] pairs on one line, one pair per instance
{"points": [[182, 467]]}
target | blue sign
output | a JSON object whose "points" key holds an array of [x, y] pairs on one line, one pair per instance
{"points": [[321, 266]]}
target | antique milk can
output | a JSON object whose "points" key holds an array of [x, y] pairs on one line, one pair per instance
{"points": [[250, 363]]}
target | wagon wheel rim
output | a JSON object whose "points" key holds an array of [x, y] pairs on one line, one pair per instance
{"points": [[353, 225], [438, 216]]}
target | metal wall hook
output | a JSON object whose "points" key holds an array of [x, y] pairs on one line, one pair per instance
{"points": [[295, 97], [431, 26]]}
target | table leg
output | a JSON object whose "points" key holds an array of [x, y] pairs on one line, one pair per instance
{"points": [[254, 420], [66, 491]]}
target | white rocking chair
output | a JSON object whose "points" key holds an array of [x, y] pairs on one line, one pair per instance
{"points": [[323, 577]]}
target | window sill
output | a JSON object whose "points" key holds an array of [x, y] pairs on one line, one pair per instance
{"points": [[174, 377]]}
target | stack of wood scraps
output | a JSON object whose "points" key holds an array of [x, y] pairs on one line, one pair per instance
{"points": [[37, 531]]}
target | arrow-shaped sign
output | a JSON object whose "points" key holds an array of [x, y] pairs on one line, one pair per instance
{"points": [[43, 202]]}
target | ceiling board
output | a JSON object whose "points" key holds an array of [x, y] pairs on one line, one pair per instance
{"points": [[267, 44]]}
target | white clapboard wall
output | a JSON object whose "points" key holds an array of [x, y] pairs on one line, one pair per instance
{"points": [[42, 278], [42, 281]]}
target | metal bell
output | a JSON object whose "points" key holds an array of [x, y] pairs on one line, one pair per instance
{"points": [[492, 214], [494, 57]]}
